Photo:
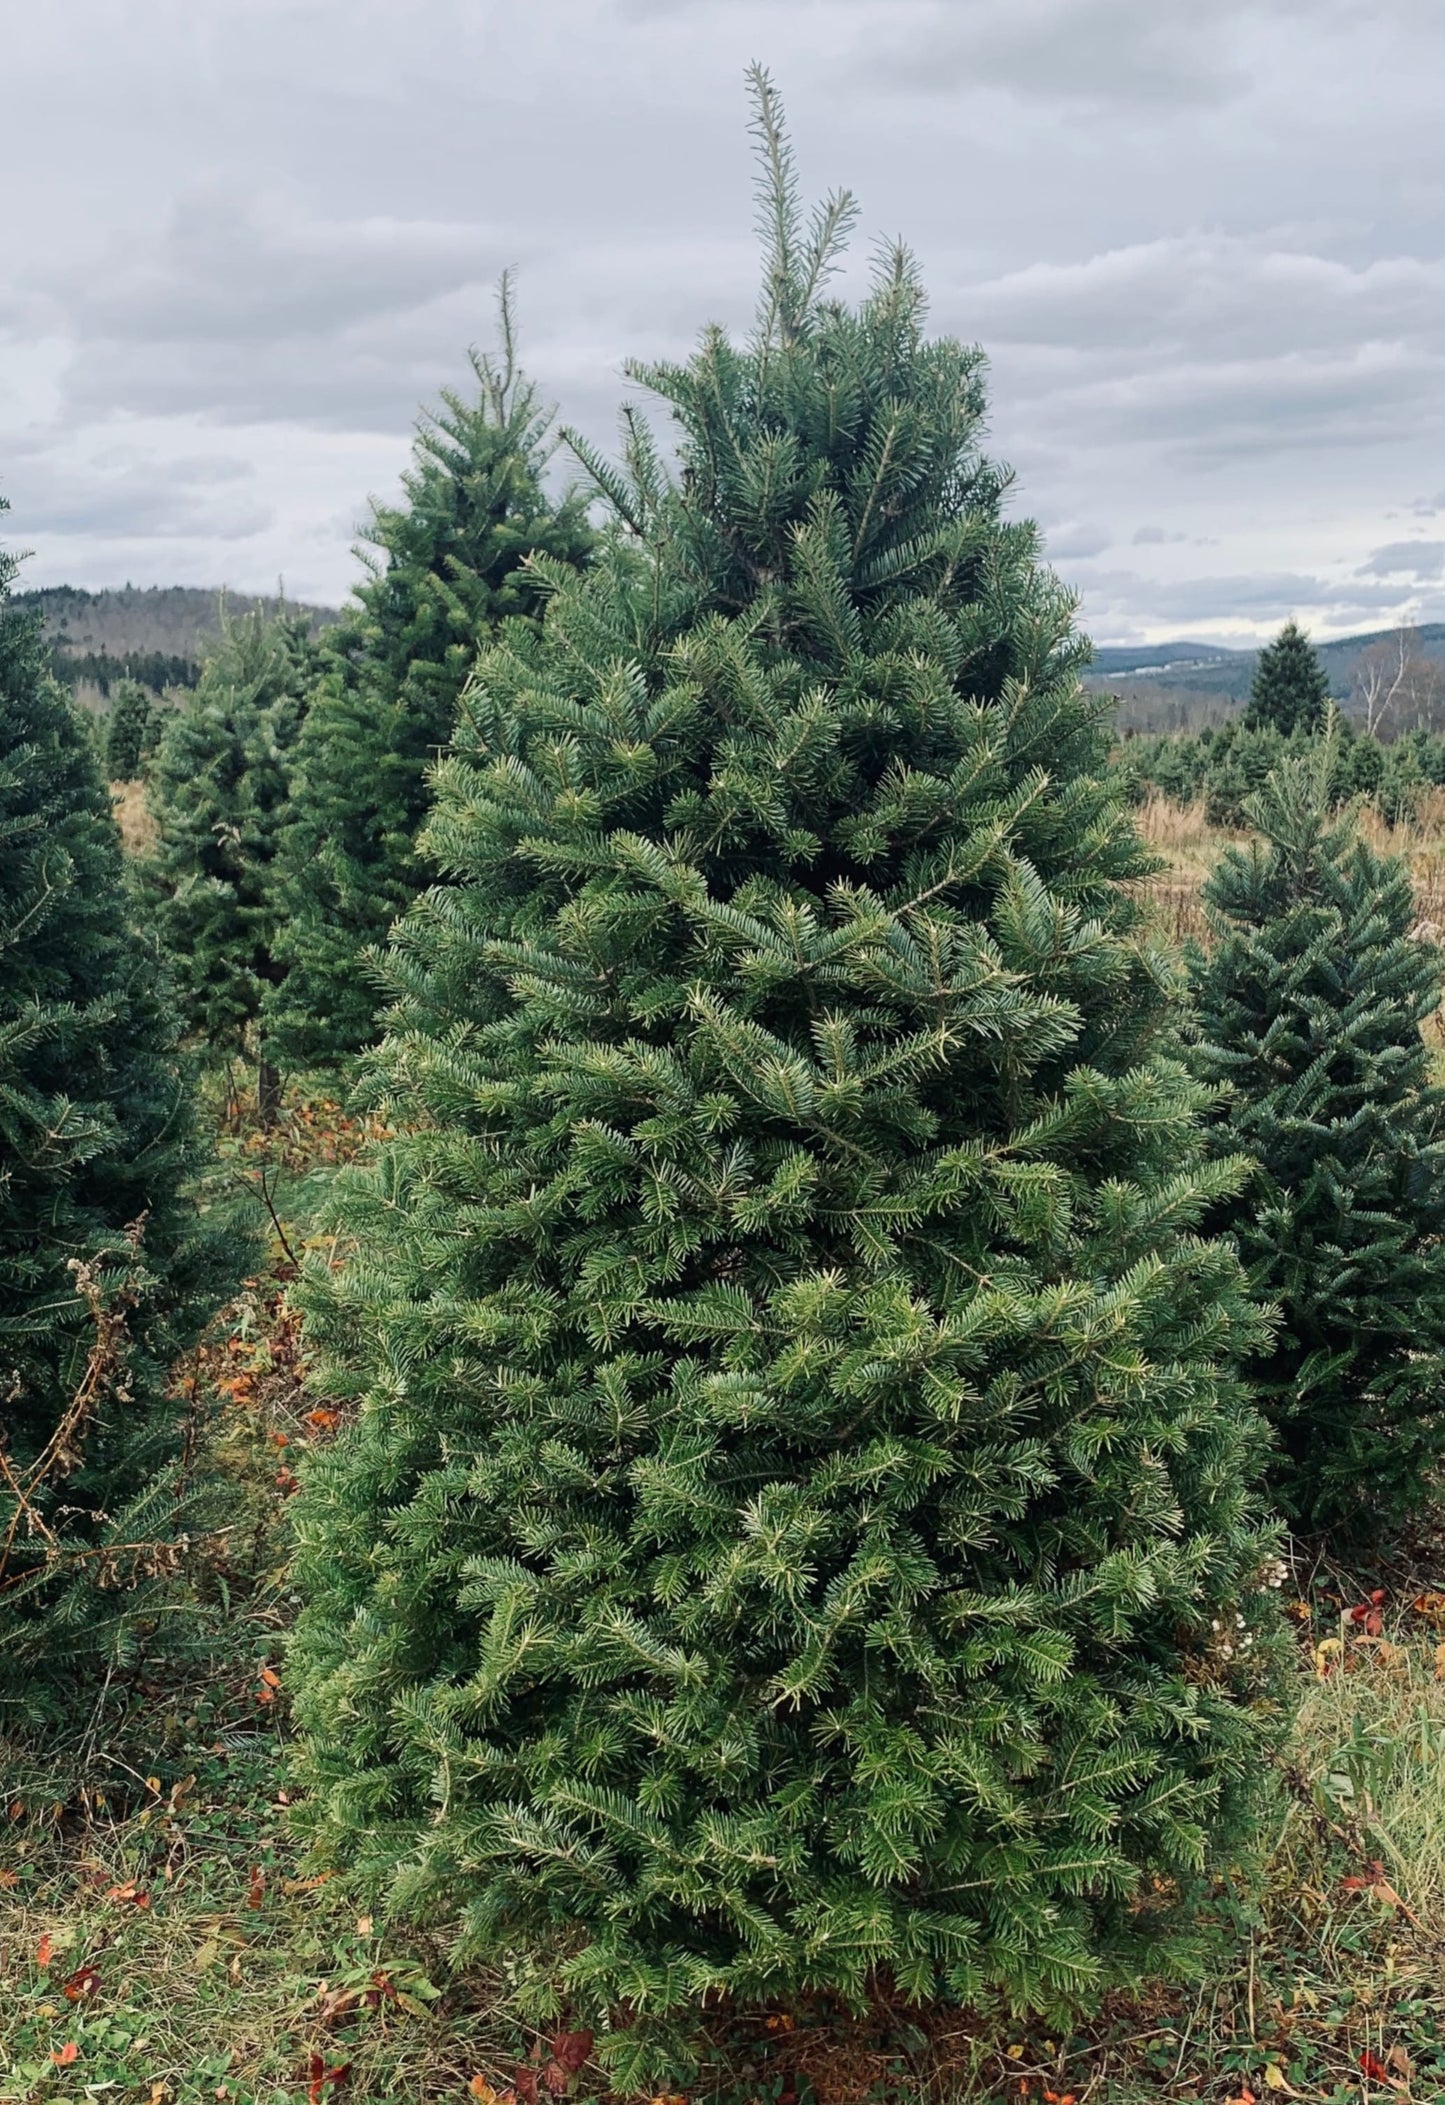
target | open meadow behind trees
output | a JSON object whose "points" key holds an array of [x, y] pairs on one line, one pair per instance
{"points": [[1189, 846], [722, 1348]]}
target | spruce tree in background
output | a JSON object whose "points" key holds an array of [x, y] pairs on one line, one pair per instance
{"points": [[96, 1147], [799, 1524], [1310, 1007], [448, 566], [219, 787], [1290, 691], [131, 732]]}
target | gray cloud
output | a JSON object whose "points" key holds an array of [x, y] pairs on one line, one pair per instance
{"points": [[243, 268], [1263, 597], [136, 497], [1072, 541], [1238, 295], [1203, 414], [251, 309], [1418, 559], [1093, 51]]}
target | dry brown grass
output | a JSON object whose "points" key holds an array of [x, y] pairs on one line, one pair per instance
{"points": [[1421, 840], [132, 815], [1183, 837], [1181, 833]]}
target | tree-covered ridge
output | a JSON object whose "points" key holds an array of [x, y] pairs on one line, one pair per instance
{"points": [[801, 1477], [128, 621]]}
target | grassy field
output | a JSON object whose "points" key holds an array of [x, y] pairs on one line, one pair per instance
{"points": [[1190, 847], [164, 1940]]}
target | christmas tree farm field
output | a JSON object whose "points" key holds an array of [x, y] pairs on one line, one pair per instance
{"points": [[1189, 846], [164, 1938]]}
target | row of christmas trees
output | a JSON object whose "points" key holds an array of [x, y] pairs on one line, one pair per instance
{"points": [[1289, 705], [826, 1345]]}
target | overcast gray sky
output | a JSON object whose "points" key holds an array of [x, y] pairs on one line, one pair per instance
{"points": [[1202, 241]]}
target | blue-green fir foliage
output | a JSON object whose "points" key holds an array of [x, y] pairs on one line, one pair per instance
{"points": [[798, 1525], [444, 569], [1224, 767], [219, 792], [105, 1271], [1310, 1007], [1290, 691], [132, 731]]}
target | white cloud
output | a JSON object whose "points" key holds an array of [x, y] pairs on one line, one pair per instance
{"points": [[1237, 295]]}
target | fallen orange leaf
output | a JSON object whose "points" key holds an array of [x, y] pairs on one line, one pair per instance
{"points": [[64, 2056], [45, 1951], [320, 2075], [83, 1982]]}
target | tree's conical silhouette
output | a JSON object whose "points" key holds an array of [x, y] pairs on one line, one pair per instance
{"points": [[131, 731], [799, 1523], [219, 793], [1310, 1006], [449, 564], [1289, 692], [97, 1148]]}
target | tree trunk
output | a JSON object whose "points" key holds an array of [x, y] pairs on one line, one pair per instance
{"points": [[268, 1092]]}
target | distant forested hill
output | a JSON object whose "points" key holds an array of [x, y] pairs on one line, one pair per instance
{"points": [[157, 634], [1182, 686]]}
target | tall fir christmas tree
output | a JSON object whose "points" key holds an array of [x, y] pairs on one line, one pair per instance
{"points": [[105, 1270], [132, 731], [1290, 692], [798, 1526], [448, 565], [219, 793], [1310, 1006]]}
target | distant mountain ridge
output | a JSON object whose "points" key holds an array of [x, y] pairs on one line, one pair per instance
{"points": [[157, 634], [1174, 686], [1201, 665], [129, 620], [160, 633]]}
